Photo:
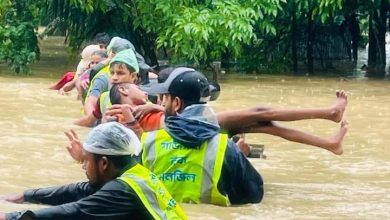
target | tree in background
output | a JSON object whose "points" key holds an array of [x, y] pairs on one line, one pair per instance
{"points": [[378, 12], [201, 31], [18, 39], [192, 32]]}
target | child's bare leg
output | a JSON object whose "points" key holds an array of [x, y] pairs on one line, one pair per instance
{"points": [[332, 144], [233, 120]]}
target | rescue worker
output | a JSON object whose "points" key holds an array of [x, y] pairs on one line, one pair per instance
{"points": [[196, 162], [118, 188]]}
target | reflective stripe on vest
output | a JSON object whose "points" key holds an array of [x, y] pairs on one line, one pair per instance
{"points": [[153, 194], [190, 174], [105, 72], [104, 102]]}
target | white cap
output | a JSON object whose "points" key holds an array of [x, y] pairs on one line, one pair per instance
{"points": [[112, 138]]}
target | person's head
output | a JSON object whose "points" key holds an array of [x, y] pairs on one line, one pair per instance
{"points": [[86, 56], [127, 93], [102, 39], [124, 67], [97, 57], [108, 149], [183, 87], [118, 44]]}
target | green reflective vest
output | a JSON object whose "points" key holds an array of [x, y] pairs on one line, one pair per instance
{"points": [[190, 174], [153, 194], [104, 101], [106, 73]]}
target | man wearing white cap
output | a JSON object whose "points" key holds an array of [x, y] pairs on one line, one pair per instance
{"points": [[118, 187]]}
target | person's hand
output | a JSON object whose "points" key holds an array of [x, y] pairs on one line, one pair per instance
{"points": [[74, 146], [141, 110], [244, 147], [62, 92], [2, 216], [121, 113], [84, 84], [113, 113], [127, 112], [15, 198]]}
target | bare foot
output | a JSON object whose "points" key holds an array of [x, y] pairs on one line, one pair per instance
{"points": [[337, 110], [335, 143]]}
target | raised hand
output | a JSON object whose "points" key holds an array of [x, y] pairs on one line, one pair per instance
{"points": [[74, 146]]}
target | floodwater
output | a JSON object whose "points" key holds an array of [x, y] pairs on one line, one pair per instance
{"points": [[301, 182]]}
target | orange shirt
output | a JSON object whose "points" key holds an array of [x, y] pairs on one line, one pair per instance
{"points": [[151, 121]]}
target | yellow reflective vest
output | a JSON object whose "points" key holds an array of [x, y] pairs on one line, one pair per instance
{"points": [[153, 194], [190, 174], [105, 72], [104, 101]]}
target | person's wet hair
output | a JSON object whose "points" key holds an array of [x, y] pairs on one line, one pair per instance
{"points": [[102, 38], [100, 53], [115, 95]]}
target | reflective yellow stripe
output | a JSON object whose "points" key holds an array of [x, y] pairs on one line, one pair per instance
{"points": [[216, 197], [153, 194], [208, 166], [106, 72], [104, 101], [148, 154]]}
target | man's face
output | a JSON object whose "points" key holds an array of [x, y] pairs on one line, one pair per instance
{"points": [[169, 103], [120, 74], [90, 165]]}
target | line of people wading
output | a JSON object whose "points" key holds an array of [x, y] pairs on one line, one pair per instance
{"points": [[144, 159]]}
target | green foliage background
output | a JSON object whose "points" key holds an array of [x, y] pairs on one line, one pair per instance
{"points": [[19, 21], [256, 34]]}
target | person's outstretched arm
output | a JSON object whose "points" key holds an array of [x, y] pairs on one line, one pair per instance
{"points": [[88, 120], [113, 201]]}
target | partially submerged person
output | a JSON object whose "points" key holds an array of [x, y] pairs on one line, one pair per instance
{"points": [[67, 81], [118, 188], [97, 57], [197, 162]]}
